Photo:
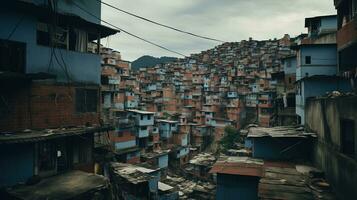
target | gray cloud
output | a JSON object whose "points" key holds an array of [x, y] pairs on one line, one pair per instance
{"points": [[228, 20]]}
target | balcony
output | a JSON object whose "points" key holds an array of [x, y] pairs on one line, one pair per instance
{"points": [[347, 34]]}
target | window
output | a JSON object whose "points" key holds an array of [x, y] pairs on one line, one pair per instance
{"points": [[62, 37], [143, 128], [59, 38], [308, 60], [141, 117], [289, 79], [149, 117], [120, 134], [12, 56], [86, 100], [347, 137]]}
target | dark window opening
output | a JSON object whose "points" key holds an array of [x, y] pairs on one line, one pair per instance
{"points": [[141, 117], [120, 134], [12, 56], [86, 100], [347, 137], [63, 37], [308, 60]]}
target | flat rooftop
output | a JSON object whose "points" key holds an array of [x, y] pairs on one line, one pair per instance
{"points": [[142, 112], [279, 132]]}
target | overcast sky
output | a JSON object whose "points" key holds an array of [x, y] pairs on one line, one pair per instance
{"points": [[227, 20]]}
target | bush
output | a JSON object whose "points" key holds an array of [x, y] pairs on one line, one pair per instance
{"points": [[231, 136]]}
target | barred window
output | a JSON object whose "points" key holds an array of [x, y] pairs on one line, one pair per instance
{"points": [[86, 100]]}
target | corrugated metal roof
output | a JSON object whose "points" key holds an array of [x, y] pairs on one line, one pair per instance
{"points": [[244, 166]]}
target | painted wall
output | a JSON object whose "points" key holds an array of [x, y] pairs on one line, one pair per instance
{"points": [[142, 133], [165, 130], [163, 161], [183, 152], [82, 67], [323, 61], [329, 23], [124, 145], [290, 65], [232, 187], [16, 163], [147, 120], [311, 88], [281, 148]]}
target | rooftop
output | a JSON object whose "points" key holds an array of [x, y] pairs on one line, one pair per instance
{"points": [[41, 135], [279, 132], [167, 121], [204, 159], [142, 112], [236, 165], [132, 173], [64, 186]]}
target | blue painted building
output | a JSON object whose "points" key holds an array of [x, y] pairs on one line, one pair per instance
{"points": [[317, 58], [279, 143], [49, 42], [231, 187], [74, 30], [237, 177], [167, 128]]}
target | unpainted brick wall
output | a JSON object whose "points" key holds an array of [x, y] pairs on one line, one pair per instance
{"points": [[42, 106]]}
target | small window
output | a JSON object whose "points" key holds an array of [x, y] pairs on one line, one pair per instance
{"points": [[308, 60], [12, 56], [289, 79], [141, 117], [149, 117], [143, 128], [120, 134], [86, 100]]}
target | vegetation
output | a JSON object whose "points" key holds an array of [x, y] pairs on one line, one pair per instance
{"points": [[149, 61], [231, 136]]}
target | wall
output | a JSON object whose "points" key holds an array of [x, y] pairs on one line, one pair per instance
{"points": [[323, 61], [290, 65], [329, 23], [311, 88], [323, 117], [41, 106], [125, 145], [163, 161], [274, 148], [16, 163], [82, 67], [232, 187]]}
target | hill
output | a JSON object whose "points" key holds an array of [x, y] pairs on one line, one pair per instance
{"points": [[150, 61]]}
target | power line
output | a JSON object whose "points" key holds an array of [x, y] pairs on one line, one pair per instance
{"points": [[15, 27], [124, 31], [160, 24]]}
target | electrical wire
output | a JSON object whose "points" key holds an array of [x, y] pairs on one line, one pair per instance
{"points": [[131, 34], [159, 24], [16, 26]]}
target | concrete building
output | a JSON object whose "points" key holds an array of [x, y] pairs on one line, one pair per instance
{"points": [[53, 93]]}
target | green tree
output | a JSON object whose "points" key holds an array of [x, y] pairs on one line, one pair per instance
{"points": [[231, 136]]}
